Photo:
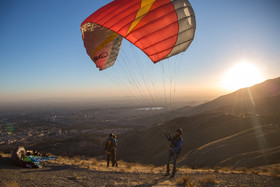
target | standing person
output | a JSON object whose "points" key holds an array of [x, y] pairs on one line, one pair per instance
{"points": [[114, 155], [175, 147], [111, 149]]}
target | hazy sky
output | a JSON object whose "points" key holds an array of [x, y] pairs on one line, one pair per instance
{"points": [[42, 53]]}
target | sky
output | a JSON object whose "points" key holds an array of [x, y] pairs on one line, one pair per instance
{"points": [[42, 53]]}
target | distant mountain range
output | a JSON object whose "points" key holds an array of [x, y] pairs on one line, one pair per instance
{"points": [[241, 129], [263, 98]]}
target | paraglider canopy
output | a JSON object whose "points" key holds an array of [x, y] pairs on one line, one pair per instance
{"points": [[29, 158], [160, 28]]}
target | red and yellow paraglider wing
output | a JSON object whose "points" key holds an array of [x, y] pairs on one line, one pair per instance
{"points": [[160, 28]]}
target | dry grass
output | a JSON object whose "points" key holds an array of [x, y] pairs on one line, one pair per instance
{"points": [[226, 170], [208, 180], [4, 155], [76, 176], [100, 165], [242, 169], [185, 181], [129, 165], [166, 183], [189, 177], [197, 180], [217, 168], [269, 170]]}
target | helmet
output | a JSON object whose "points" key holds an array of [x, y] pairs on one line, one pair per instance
{"points": [[180, 131]]}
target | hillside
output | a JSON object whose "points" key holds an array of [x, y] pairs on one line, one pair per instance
{"points": [[241, 129], [210, 140], [81, 171], [263, 98]]}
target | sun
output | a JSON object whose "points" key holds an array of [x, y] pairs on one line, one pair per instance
{"points": [[242, 75]]}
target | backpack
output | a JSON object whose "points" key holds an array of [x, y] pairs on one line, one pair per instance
{"points": [[110, 144]]}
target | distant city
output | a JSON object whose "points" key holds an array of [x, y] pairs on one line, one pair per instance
{"points": [[30, 128]]}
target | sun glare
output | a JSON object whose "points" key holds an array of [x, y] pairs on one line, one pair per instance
{"points": [[242, 75]]}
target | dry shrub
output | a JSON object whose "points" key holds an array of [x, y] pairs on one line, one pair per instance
{"points": [[275, 173], [185, 180], [82, 162], [4, 155], [76, 176], [217, 168], [64, 157], [129, 165], [76, 158], [227, 169], [93, 161], [166, 183], [151, 167], [243, 169], [208, 180], [255, 172], [87, 164]]}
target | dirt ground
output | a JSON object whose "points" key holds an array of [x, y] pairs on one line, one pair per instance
{"points": [[90, 172]]}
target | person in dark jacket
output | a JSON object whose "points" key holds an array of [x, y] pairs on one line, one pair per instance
{"points": [[175, 147], [111, 149]]}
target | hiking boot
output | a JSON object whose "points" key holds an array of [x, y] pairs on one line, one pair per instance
{"points": [[173, 175]]}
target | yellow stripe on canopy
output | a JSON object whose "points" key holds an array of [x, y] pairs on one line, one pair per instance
{"points": [[109, 39], [145, 8]]}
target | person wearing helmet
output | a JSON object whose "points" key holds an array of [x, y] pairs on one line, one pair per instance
{"points": [[175, 147], [111, 149]]}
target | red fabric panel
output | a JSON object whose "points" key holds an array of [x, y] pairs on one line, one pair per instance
{"points": [[163, 45], [121, 11], [162, 40], [158, 10], [151, 42], [124, 16], [156, 33]]}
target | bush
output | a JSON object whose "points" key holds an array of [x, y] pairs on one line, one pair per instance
{"points": [[208, 180], [185, 180]]}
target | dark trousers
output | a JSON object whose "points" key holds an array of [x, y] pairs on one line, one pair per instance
{"points": [[174, 154], [113, 157]]}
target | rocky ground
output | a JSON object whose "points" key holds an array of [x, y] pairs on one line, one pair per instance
{"points": [[78, 171]]}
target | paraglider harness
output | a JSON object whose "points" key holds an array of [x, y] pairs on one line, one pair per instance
{"points": [[29, 158], [110, 145], [174, 141]]}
